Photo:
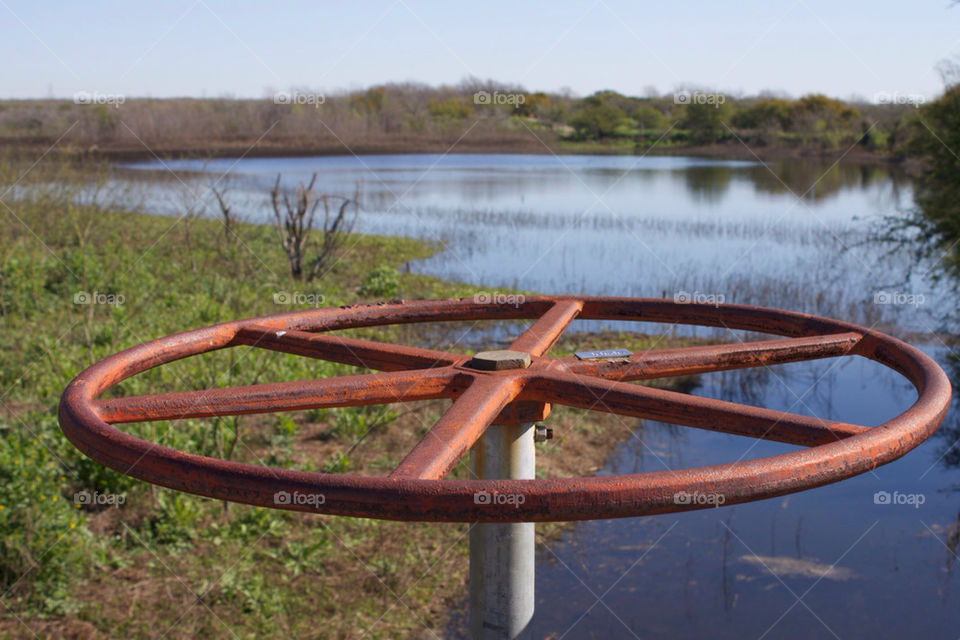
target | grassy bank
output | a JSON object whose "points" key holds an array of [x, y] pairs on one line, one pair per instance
{"points": [[80, 280]]}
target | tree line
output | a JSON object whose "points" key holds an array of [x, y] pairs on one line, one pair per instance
{"points": [[473, 114]]}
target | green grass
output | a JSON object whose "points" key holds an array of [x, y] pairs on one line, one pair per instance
{"points": [[65, 564]]}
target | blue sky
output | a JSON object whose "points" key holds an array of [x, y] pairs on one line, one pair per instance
{"points": [[247, 49]]}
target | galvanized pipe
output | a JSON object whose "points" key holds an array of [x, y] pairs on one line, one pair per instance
{"points": [[502, 555]]}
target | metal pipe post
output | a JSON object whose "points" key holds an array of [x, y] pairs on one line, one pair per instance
{"points": [[502, 555]]}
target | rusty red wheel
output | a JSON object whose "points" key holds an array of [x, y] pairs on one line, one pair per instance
{"points": [[484, 395]]}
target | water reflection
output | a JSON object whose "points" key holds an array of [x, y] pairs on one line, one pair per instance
{"points": [[708, 183], [948, 436], [817, 181], [789, 234], [511, 180]]}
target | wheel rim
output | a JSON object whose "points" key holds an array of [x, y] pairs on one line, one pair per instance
{"points": [[417, 490]]}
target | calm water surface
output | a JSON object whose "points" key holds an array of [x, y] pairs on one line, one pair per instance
{"points": [[790, 234]]}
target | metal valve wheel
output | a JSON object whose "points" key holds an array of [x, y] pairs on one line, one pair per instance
{"points": [[518, 385]]}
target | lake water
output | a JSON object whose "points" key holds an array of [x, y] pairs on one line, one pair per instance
{"points": [[763, 570], [790, 234]]}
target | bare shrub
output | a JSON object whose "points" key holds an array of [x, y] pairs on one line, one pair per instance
{"points": [[226, 212], [295, 217]]}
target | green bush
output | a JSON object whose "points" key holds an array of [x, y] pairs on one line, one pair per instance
{"points": [[382, 282]]}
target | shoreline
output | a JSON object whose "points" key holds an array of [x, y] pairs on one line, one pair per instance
{"points": [[252, 149]]}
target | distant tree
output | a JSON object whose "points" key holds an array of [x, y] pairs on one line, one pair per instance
{"points": [[451, 108], [764, 113], [369, 102], [937, 192], [625, 103], [817, 112], [597, 119], [650, 118], [536, 105], [932, 230], [707, 120]]}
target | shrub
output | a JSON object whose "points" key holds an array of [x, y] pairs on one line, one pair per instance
{"points": [[382, 282]]}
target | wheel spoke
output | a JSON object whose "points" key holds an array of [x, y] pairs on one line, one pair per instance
{"points": [[627, 399], [545, 332], [373, 388], [644, 365], [361, 353], [456, 431]]}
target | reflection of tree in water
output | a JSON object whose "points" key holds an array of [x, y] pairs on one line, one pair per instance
{"points": [[949, 455], [819, 181], [949, 431], [951, 541], [803, 177], [708, 183], [753, 386]]}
